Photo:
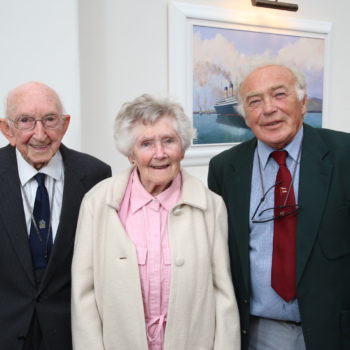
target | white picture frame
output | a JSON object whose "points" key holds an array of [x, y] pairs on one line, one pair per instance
{"points": [[184, 16]]}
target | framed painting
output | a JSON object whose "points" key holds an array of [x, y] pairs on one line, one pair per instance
{"points": [[208, 48]]}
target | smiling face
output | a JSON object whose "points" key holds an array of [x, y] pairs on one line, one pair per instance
{"points": [[272, 107], [39, 145], [157, 153]]}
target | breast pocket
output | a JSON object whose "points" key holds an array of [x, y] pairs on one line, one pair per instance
{"points": [[335, 233], [166, 269], [142, 254], [166, 256]]}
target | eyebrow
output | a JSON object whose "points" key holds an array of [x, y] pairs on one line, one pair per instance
{"points": [[160, 137], [260, 93], [279, 86]]}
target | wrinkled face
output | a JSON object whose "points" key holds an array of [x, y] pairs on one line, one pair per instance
{"points": [[39, 145], [273, 110], [157, 153]]}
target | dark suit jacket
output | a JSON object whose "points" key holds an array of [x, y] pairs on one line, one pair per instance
{"points": [[323, 233], [19, 295]]}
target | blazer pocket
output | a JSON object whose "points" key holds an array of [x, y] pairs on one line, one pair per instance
{"points": [[335, 233], [345, 323]]}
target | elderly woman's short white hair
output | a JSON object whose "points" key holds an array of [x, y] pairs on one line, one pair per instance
{"points": [[147, 109], [300, 83]]}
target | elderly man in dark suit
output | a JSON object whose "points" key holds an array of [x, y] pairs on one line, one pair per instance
{"points": [[287, 192], [42, 183]]}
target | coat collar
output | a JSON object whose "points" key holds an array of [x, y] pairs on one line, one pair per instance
{"points": [[316, 168], [11, 209], [73, 192], [238, 202], [193, 192]]}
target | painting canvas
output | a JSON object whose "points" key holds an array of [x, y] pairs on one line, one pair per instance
{"points": [[208, 46], [218, 57]]}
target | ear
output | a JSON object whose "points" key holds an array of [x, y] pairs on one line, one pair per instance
{"points": [[304, 105], [7, 131], [66, 123], [131, 159], [182, 155]]}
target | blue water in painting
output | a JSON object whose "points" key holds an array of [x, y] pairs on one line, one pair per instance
{"points": [[209, 131]]}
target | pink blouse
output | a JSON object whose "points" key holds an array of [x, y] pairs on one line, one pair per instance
{"points": [[145, 219]]}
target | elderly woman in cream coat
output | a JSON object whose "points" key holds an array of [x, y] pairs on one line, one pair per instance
{"points": [[151, 267]]}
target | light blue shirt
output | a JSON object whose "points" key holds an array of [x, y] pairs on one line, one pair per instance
{"points": [[265, 302]]}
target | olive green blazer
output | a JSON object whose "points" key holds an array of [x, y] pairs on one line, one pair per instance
{"points": [[323, 233]]}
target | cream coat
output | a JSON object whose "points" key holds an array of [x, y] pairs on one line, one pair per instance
{"points": [[107, 307]]}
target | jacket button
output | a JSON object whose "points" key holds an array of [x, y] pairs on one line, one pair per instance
{"points": [[177, 211], [179, 261], [244, 332], [245, 301]]}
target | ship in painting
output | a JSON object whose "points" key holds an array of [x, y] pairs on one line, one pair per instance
{"points": [[226, 106], [226, 109]]}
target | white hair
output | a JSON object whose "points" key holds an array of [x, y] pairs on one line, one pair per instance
{"points": [[146, 109], [300, 83]]}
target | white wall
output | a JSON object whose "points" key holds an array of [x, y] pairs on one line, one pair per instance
{"points": [[39, 41], [122, 46], [127, 56]]}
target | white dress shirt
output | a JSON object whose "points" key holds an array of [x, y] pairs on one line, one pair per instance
{"points": [[54, 182]]}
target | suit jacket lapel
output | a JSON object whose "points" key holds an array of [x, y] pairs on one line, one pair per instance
{"points": [[315, 175], [11, 209], [239, 203], [73, 193]]}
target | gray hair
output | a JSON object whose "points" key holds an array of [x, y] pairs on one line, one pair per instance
{"points": [[147, 109], [300, 83]]}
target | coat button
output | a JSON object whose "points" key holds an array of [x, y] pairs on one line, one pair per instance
{"points": [[179, 261], [177, 211], [244, 332]]}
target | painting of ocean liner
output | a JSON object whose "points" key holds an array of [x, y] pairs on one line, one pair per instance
{"points": [[226, 109], [218, 57]]}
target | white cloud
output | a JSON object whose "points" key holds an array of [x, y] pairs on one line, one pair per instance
{"points": [[306, 53]]}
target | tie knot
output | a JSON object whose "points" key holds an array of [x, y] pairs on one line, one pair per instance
{"points": [[40, 178], [280, 157]]}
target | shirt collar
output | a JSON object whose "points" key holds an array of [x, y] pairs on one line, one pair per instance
{"points": [[53, 169], [292, 148], [139, 197]]}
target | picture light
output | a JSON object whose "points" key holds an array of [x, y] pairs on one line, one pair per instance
{"points": [[274, 4]]}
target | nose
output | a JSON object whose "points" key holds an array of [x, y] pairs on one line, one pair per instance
{"points": [[39, 130], [159, 152], [269, 106]]}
